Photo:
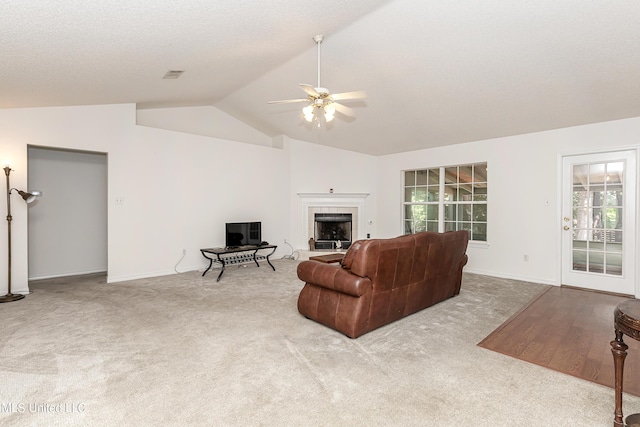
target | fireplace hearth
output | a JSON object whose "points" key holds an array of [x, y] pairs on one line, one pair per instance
{"points": [[332, 230]]}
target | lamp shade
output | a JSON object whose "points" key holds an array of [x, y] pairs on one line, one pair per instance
{"points": [[28, 197]]}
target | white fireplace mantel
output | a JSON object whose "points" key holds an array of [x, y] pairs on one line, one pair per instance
{"points": [[337, 200], [333, 196]]}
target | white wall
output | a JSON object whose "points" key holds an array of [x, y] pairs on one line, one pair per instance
{"points": [[68, 226], [203, 120], [523, 174]]}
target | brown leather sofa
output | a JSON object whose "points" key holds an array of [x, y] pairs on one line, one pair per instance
{"points": [[382, 280]]}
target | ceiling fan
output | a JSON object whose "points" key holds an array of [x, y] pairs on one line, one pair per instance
{"points": [[320, 98]]}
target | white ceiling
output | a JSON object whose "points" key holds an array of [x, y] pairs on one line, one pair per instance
{"points": [[436, 72]]}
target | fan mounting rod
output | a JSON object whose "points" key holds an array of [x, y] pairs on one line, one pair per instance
{"points": [[318, 39]]}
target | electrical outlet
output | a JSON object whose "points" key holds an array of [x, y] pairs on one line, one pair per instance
{"points": [[285, 241], [525, 258]]}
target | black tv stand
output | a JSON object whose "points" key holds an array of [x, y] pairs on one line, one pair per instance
{"points": [[237, 255]]}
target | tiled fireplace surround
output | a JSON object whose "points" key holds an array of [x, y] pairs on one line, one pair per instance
{"points": [[352, 203]]}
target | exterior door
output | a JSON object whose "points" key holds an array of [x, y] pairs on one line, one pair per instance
{"points": [[598, 221]]}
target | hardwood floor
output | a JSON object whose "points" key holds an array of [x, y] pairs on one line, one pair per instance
{"points": [[568, 330]]}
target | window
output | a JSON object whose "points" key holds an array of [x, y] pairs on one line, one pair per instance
{"points": [[447, 199]]}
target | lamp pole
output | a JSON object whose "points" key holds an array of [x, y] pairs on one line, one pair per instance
{"points": [[9, 296]]}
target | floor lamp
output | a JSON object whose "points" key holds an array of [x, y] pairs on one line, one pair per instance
{"points": [[27, 197]]}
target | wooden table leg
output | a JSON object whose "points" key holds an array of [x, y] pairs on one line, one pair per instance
{"points": [[619, 350]]}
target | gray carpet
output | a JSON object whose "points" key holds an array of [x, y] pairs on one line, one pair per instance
{"points": [[186, 350]]}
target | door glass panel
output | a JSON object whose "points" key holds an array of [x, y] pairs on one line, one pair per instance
{"points": [[597, 217], [579, 260]]}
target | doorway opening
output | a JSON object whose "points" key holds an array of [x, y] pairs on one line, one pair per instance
{"points": [[67, 230]]}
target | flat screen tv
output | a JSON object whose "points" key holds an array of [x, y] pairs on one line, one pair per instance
{"points": [[242, 234]]}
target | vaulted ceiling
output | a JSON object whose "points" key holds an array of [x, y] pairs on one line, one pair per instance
{"points": [[436, 72]]}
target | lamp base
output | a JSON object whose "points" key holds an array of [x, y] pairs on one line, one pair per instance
{"points": [[11, 297]]}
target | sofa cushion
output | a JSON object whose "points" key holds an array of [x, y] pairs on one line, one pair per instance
{"points": [[347, 260]]}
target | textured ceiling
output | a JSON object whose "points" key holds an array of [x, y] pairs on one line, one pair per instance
{"points": [[436, 73]]}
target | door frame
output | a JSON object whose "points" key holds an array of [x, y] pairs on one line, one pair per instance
{"points": [[559, 207]]}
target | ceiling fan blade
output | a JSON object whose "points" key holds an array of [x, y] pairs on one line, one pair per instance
{"points": [[343, 109], [349, 95], [287, 101], [310, 90]]}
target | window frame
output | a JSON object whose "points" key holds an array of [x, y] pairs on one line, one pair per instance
{"points": [[463, 186]]}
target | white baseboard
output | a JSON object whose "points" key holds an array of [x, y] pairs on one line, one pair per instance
{"points": [[511, 276], [55, 276]]}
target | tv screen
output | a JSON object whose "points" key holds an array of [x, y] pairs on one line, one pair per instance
{"points": [[243, 233]]}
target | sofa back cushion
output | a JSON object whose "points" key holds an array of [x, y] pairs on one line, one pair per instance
{"points": [[404, 260]]}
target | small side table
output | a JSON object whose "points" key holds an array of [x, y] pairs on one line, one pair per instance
{"points": [[327, 259], [626, 322]]}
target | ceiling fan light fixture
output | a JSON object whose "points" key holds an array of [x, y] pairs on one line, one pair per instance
{"points": [[320, 100], [309, 112], [329, 112]]}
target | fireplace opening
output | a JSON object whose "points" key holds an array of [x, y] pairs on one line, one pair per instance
{"points": [[331, 228]]}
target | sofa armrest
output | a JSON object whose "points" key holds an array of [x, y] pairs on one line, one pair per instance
{"points": [[333, 277]]}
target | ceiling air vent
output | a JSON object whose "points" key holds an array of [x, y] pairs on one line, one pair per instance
{"points": [[173, 74]]}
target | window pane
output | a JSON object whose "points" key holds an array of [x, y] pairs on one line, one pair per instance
{"points": [[408, 212], [596, 174], [580, 174], [465, 174], [614, 264], [408, 227], [432, 225], [434, 176], [410, 178], [409, 194], [596, 262], [614, 240], [449, 226], [450, 212], [614, 195], [417, 212], [613, 218], [432, 212], [464, 193], [450, 193], [421, 177], [480, 172], [420, 194], [451, 175], [597, 198], [480, 192], [479, 232], [480, 213], [615, 172], [580, 260], [580, 198], [420, 226], [433, 193], [464, 212]]}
